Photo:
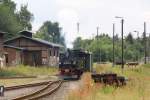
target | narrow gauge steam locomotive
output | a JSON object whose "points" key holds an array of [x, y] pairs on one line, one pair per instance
{"points": [[73, 63]]}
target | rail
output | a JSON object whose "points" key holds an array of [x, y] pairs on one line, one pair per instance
{"points": [[42, 92]]}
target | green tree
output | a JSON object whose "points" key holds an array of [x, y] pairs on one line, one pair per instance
{"points": [[11, 20], [77, 43], [133, 48], [51, 32], [8, 19], [129, 38], [25, 17]]}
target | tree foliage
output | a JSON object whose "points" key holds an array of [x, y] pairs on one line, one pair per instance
{"points": [[10, 20], [25, 17], [102, 47], [51, 32]]}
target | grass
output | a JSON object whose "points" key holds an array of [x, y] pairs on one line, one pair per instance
{"points": [[25, 71], [137, 88], [22, 70]]}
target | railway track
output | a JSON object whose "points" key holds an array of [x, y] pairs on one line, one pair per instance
{"points": [[26, 85], [47, 90]]}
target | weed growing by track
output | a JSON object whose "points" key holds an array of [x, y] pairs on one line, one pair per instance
{"points": [[22, 70], [137, 88]]}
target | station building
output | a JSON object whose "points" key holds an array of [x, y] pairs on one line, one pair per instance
{"points": [[27, 50]]}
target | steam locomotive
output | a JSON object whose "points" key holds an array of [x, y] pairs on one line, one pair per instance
{"points": [[74, 62]]}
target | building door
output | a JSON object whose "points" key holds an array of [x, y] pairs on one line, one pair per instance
{"points": [[33, 58], [36, 58]]}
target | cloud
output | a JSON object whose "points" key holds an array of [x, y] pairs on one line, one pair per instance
{"points": [[90, 14], [76, 3], [68, 19], [147, 16]]}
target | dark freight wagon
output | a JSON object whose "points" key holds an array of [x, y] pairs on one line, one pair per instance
{"points": [[109, 79]]}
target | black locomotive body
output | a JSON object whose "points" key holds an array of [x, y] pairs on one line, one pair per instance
{"points": [[73, 63]]}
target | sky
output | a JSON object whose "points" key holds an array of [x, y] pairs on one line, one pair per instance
{"points": [[90, 14]]}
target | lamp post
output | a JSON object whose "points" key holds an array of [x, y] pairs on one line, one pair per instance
{"points": [[122, 56]]}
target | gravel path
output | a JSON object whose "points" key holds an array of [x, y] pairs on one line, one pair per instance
{"points": [[63, 91]]}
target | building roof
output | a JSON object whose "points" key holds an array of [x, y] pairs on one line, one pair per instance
{"points": [[25, 31], [48, 43], [14, 47], [36, 40], [1, 32]]}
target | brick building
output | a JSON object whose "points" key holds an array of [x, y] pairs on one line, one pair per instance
{"points": [[2, 55], [27, 50]]}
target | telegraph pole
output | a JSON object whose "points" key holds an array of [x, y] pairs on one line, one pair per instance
{"points": [[145, 47], [78, 27], [113, 45], [122, 22]]}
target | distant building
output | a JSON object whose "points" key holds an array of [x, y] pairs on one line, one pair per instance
{"points": [[27, 50]]}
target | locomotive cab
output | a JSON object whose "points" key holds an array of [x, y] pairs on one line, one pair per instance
{"points": [[73, 63]]}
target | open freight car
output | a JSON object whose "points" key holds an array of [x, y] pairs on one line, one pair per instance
{"points": [[74, 62], [109, 79]]}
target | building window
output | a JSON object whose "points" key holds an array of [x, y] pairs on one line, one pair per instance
{"points": [[57, 53], [6, 56], [54, 53]]}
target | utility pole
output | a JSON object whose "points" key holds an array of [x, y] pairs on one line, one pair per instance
{"points": [[145, 42], [78, 27], [122, 22], [113, 45]]}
